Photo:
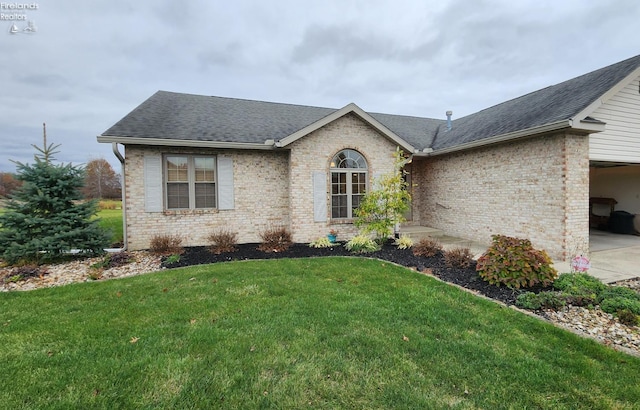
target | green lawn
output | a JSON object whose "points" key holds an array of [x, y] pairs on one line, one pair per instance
{"points": [[110, 214], [303, 333], [111, 221]]}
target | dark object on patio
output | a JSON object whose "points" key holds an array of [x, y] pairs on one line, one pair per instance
{"points": [[622, 222]]}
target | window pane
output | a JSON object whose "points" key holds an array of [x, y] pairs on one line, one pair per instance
{"points": [[355, 201], [177, 169], [348, 158], [205, 195], [204, 169], [339, 207], [339, 183], [177, 195], [358, 185]]}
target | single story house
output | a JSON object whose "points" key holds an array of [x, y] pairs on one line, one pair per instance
{"points": [[193, 164]]}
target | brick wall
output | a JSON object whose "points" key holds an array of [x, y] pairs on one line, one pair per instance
{"points": [[314, 153], [261, 199], [271, 188], [535, 188]]}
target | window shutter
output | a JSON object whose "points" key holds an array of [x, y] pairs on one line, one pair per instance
{"points": [[319, 196], [225, 183], [153, 182], [375, 181]]}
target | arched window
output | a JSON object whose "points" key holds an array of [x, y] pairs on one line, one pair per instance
{"points": [[348, 183]]}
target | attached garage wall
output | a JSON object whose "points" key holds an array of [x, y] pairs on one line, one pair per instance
{"points": [[620, 142], [536, 188], [620, 183]]}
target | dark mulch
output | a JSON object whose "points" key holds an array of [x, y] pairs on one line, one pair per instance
{"points": [[467, 278]]}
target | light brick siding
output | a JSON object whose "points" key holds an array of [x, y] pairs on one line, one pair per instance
{"points": [[271, 188], [535, 188], [261, 199], [314, 153]]}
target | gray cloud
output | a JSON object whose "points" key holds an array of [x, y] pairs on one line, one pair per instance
{"points": [[90, 63]]}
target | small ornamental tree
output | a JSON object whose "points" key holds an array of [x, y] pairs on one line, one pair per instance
{"points": [[46, 216], [383, 207]]}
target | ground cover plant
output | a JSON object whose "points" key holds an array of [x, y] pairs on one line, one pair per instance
{"points": [[293, 333]]}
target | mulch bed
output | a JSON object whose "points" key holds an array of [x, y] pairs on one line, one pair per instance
{"points": [[467, 278]]}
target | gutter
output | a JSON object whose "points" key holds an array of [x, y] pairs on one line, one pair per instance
{"points": [[125, 242], [555, 126], [267, 145]]}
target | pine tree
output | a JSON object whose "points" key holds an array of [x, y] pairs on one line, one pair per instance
{"points": [[47, 217]]}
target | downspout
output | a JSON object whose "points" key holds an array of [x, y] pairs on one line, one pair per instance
{"points": [[114, 146]]}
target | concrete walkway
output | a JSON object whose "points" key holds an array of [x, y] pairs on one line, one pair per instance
{"points": [[613, 257]]}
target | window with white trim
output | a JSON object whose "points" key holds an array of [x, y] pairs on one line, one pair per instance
{"points": [[190, 181], [348, 183]]}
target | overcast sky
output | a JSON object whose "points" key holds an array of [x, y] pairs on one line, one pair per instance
{"points": [[89, 63]]}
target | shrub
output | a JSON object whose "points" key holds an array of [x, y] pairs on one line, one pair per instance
{"points": [[427, 247], [515, 263], [322, 242], [404, 242], [458, 258], [529, 301], [276, 239], [25, 272], [614, 304], [223, 241], [552, 300], [362, 244], [382, 208], [166, 244], [618, 292], [627, 317], [583, 288], [542, 300]]}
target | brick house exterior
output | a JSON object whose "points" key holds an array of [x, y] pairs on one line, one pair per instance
{"points": [[520, 168]]}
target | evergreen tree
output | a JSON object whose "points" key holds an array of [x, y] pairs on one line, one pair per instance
{"points": [[46, 216]]}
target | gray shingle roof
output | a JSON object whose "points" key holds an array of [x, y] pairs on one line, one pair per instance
{"points": [[176, 116], [168, 115], [555, 103]]}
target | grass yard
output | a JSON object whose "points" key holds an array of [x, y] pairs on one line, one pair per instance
{"points": [[294, 333], [111, 219]]}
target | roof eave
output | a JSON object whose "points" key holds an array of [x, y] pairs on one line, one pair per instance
{"points": [[350, 108], [586, 127], [267, 145], [588, 110]]}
